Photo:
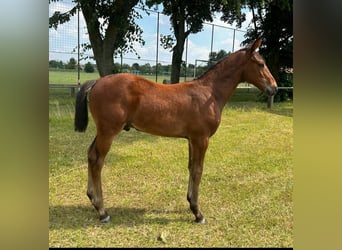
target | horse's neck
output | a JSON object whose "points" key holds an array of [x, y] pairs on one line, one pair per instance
{"points": [[224, 78]]}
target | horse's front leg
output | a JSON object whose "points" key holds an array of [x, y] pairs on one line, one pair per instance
{"points": [[197, 150], [96, 155]]}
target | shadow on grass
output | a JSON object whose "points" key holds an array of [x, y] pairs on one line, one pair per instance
{"points": [[75, 217], [282, 109]]}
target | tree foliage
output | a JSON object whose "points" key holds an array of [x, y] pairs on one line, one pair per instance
{"points": [[71, 64], [111, 28], [214, 57], [56, 64], [272, 20], [89, 68], [232, 12], [275, 24]]}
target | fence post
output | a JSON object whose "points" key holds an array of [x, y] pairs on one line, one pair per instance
{"points": [[233, 41], [157, 47], [212, 38], [72, 91], [270, 102], [186, 58], [78, 48]]}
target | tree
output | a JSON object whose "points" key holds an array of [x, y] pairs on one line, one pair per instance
{"points": [[89, 68], [71, 64], [135, 66], [277, 27], [273, 20], [231, 11], [111, 28], [186, 16], [146, 69], [55, 64], [214, 57]]}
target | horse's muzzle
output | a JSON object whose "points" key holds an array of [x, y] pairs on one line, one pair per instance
{"points": [[271, 90]]}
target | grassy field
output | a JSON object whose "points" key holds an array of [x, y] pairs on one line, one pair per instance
{"points": [[245, 193], [70, 77]]}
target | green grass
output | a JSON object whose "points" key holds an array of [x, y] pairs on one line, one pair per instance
{"points": [[71, 76], [245, 193]]}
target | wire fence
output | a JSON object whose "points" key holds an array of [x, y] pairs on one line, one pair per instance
{"points": [[151, 60]]}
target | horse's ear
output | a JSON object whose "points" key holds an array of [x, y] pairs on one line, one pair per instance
{"points": [[256, 44]]}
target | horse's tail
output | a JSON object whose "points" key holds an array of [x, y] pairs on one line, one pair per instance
{"points": [[81, 107]]}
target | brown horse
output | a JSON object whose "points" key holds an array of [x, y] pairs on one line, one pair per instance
{"points": [[190, 110]]}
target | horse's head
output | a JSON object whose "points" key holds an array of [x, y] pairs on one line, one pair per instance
{"points": [[257, 72]]}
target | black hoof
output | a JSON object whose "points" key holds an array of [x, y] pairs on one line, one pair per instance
{"points": [[105, 218], [200, 221]]}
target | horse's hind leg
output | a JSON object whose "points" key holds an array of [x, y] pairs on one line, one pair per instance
{"points": [[197, 150], [96, 154]]}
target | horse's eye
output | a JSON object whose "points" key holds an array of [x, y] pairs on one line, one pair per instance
{"points": [[261, 65]]}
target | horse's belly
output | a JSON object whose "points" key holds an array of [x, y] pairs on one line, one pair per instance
{"points": [[161, 128]]}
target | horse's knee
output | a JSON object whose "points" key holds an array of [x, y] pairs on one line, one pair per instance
{"points": [[92, 159], [92, 154], [95, 159]]}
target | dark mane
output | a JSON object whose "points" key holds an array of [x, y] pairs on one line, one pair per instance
{"points": [[218, 62]]}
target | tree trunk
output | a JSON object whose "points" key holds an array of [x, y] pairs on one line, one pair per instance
{"points": [[104, 45], [103, 53], [177, 61], [104, 62]]}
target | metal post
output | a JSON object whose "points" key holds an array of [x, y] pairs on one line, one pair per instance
{"points": [[195, 68], [212, 38], [121, 62], [157, 47], [78, 46], [270, 102], [233, 41], [186, 58]]}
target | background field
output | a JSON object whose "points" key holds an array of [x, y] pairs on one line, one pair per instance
{"points": [[245, 193], [71, 76]]}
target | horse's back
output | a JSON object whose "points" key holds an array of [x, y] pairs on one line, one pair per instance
{"points": [[125, 80]]}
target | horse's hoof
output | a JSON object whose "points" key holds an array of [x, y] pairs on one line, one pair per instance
{"points": [[201, 221], [106, 219]]}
